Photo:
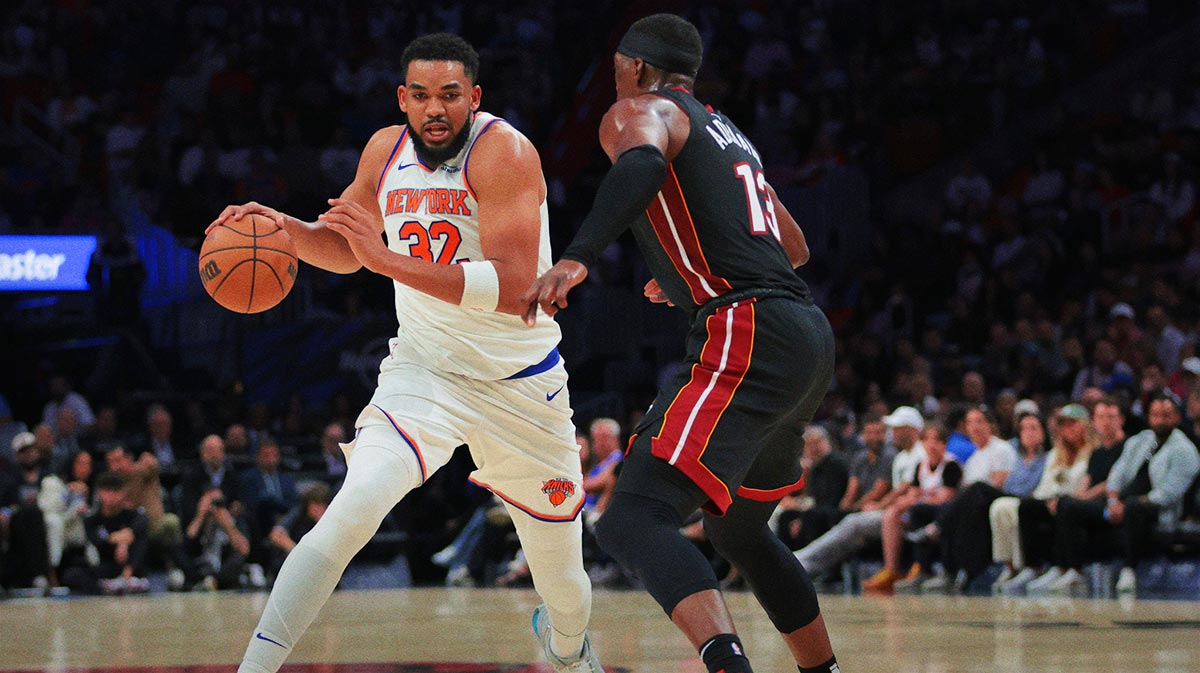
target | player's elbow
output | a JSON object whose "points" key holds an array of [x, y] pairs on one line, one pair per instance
{"points": [[800, 256]]}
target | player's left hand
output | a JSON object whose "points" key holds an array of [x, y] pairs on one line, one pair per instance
{"points": [[550, 291], [654, 292], [360, 227]]}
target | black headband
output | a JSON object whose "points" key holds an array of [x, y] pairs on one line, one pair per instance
{"points": [[652, 50]]}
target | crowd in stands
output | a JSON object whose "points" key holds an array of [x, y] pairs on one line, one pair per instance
{"points": [[1035, 321]]}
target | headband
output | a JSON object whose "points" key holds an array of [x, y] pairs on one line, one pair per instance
{"points": [[653, 50]]}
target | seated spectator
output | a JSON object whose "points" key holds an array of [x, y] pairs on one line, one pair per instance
{"points": [[857, 529], [1145, 493], [1022, 525], [803, 517], [118, 534], [62, 395], [164, 531], [990, 463], [314, 500], [9, 429], [935, 482], [159, 442], [218, 541], [267, 492], [65, 500], [332, 437], [870, 469], [214, 470], [22, 527]]}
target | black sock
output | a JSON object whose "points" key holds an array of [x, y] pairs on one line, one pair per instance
{"points": [[724, 654], [827, 667]]}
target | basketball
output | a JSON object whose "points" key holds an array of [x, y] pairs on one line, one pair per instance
{"points": [[248, 265]]}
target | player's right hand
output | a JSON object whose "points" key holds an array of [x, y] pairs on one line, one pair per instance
{"points": [[253, 207], [549, 292]]}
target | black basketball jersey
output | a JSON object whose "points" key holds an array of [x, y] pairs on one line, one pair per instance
{"points": [[711, 229]]}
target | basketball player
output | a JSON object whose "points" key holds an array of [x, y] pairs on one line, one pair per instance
{"points": [[725, 435], [461, 198]]}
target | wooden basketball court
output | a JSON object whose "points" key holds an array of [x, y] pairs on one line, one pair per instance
{"points": [[457, 630]]}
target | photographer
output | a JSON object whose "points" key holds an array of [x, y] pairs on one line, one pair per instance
{"points": [[218, 542]]}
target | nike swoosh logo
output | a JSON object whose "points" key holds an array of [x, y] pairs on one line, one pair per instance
{"points": [[401, 167], [260, 636], [551, 396]]}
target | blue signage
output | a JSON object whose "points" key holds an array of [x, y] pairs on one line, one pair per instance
{"points": [[34, 263]]}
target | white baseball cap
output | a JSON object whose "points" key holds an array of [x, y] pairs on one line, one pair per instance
{"points": [[905, 417], [1025, 406], [1191, 365], [1121, 310]]}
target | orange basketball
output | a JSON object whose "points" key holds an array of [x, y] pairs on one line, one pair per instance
{"points": [[248, 265]]}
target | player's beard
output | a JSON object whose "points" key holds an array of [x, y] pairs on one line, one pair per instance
{"points": [[434, 156]]}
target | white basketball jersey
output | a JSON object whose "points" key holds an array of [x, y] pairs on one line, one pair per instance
{"points": [[431, 214]]}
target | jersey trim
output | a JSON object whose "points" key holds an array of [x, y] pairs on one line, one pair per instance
{"points": [[769, 495], [407, 440], [391, 161], [550, 518], [546, 364], [690, 421], [672, 222], [467, 160]]}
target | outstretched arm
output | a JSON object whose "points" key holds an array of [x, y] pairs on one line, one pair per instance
{"points": [[636, 137]]}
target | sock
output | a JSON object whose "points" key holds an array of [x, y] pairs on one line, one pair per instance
{"points": [[305, 582], [723, 653], [827, 667]]}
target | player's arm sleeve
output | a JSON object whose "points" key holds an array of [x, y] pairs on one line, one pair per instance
{"points": [[628, 188]]}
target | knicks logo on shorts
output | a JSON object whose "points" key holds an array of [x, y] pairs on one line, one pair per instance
{"points": [[558, 490]]}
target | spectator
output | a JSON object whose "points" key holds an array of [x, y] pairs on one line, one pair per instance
{"points": [[607, 452], [857, 529], [1145, 493], [159, 442], [268, 493], [9, 429], [870, 468], [805, 516], [218, 541], [1107, 372], [22, 527], [62, 395], [991, 463], [1167, 338], [214, 470], [334, 459], [934, 484], [1022, 525], [1185, 379], [164, 531], [65, 500], [118, 534], [305, 514]]}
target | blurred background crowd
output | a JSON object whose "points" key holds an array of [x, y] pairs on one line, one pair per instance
{"points": [[1000, 198]]}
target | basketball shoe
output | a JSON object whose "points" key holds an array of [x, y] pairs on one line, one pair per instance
{"points": [[586, 662]]}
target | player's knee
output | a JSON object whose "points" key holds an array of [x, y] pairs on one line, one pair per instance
{"points": [[632, 523]]}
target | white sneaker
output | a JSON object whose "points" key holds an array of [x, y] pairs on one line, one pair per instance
{"points": [[459, 576], [256, 576], [1127, 581], [938, 584], [445, 557], [1071, 583], [1005, 575], [1047, 578], [586, 662], [1016, 586], [176, 579]]}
